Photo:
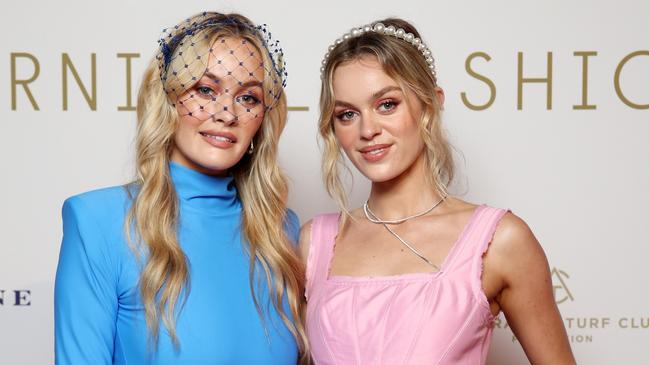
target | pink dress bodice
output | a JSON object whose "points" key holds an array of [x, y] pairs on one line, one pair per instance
{"points": [[423, 318]]}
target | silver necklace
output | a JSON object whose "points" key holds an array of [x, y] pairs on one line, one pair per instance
{"points": [[374, 219]]}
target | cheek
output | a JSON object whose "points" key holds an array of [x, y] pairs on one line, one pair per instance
{"points": [[345, 136], [250, 128], [185, 131], [413, 141]]}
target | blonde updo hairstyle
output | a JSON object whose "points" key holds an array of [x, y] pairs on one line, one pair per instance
{"points": [[404, 63], [152, 221]]}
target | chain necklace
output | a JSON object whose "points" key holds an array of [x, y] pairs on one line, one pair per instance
{"points": [[374, 219]]}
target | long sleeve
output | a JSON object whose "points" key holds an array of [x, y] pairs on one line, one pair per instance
{"points": [[85, 298], [292, 226], [99, 315]]}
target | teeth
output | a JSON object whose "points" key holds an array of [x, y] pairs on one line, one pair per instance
{"points": [[218, 138], [376, 152]]}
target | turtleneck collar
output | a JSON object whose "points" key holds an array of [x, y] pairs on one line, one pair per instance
{"points": [[212, 194]]}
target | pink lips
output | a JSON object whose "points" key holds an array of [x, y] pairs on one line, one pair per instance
{"points": [[220, 139], [374, 152]]}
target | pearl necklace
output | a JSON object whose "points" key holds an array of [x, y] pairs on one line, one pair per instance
{"points": [[374, 219]]}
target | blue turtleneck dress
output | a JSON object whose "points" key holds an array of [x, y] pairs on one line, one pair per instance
{"points": [[99, 317]]}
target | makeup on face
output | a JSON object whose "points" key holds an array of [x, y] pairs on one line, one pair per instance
{"points": [[374, 125], [221, 113]]}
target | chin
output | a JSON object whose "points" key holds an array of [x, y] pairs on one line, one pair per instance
{"points": [[214, 165], [378, 174]]}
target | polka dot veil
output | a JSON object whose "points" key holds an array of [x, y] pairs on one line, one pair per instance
{"points": [[221, 67]]}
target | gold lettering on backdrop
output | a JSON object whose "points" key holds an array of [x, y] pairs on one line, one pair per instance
{"points": [[541, 80], [24, 82], [571, 338], [560, 275], [616, 80], [486, 80], [499, 323], [580, 338], [298, 108], [634, 323], [584, 81], [129, 100], [88, 83], [66, 64]]}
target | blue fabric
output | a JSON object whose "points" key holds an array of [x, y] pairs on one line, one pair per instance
{"points": [[99, 318]]}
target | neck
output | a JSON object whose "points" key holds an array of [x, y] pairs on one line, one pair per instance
{"points": [[407, 194]]}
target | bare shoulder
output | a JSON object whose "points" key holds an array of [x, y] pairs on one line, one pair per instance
{"points": [[514, 249], [305, 240], [513, 235]]}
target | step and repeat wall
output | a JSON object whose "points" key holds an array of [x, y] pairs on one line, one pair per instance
{"points": [[547, 107]]}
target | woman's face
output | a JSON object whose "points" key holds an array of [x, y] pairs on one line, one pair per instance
{"points": [[224, 109], [373, 123]]}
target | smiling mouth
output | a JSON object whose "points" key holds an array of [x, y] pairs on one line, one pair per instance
{"points": [[217, 138], [376, 151]]}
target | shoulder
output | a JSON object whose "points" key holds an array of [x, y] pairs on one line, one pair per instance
{"points": [[292, 220], [292, 225], [100, 202], [514, 248], [306, 229], [305, 239], [97, 215], [93, 229], [512, 234]]}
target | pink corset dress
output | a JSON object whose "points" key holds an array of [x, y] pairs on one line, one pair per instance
{"points": [[423, 318]]}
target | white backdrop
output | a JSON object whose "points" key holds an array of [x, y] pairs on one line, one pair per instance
{"points": [[578, 177]]}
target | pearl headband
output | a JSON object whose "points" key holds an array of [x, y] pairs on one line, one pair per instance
{"points": [[389, 31]]}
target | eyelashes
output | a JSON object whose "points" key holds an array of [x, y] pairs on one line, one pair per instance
{"points": [[387, 105], [346, 115], [247, 98], [384, 107]]}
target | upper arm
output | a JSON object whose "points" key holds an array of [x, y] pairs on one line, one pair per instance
{"points": [[292, 226], [85, 295], [527, 298], [305, 241]]}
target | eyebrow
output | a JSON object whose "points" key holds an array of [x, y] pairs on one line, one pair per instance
{"points": [[385, 90], [249, 83], [374, 96]]}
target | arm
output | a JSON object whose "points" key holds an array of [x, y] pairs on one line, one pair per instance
{"points": [[526, 297], [292, 226], [305, 241], [85, 299]]}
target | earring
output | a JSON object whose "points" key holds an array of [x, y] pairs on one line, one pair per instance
{"points": [[251, 149]]}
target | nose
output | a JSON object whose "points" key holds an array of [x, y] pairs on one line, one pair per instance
{"points": [[370, 128], [224, 112]]}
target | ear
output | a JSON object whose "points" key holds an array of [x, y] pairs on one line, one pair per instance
{"points": [[439, 93]]}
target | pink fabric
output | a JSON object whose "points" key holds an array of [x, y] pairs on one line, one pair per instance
{"points": [[424, 318]]}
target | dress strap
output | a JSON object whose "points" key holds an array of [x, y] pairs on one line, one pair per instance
{"points": [[478, 241], [324, 229]]}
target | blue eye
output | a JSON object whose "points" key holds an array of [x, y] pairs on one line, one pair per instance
{"points": [[346, 115], [248, 99], [204, 90], [387, 105]]}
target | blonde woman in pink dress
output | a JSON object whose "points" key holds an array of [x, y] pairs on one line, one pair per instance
{"points": [[415, 276]]}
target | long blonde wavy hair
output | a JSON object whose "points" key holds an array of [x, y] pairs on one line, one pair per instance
{"points": [[152, 221], [406, 65]]}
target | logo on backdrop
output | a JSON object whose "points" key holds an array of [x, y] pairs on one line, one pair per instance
{"points": [[25, 69], [560, 286], [15, 298], [581, 329]]}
